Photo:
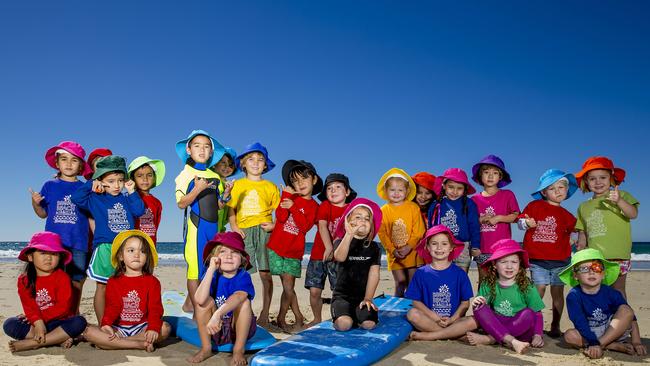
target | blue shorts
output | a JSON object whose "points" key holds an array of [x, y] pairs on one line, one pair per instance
{"points": [[18, 328], [76, 269], [317, 271], [544, 276]]}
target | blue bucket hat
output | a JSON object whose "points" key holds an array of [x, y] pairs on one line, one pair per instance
{"points": [[255, 147], [217, 149], [551, 176]]}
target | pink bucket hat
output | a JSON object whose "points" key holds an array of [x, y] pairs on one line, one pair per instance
{"points": [[71, 147], [504, 248], [422, 245], [48, 242], [364, 202], [231, 240], [457, 175]]}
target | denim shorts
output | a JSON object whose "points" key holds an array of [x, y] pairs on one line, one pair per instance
{"points": [[543, 276], [317, 271], [76, 269]]}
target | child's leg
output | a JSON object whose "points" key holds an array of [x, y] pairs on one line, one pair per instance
{"points": [[400, 277], [620, 323], [422, 321], [503, 329], [58, 332], [464, 259], [56, 336], [316, 303], [289, 298], [192, 286], [103, 340], [202, 315], [342, 314], [410, 272], [456, 330], [267, 296], [557, 297], [99, 301], [77, 289], [255, 245], [619, 284], [243, 317], [315, 282]]}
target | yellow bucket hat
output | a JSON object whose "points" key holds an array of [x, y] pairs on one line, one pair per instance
{"points": [[396, 173], [122, 236]]}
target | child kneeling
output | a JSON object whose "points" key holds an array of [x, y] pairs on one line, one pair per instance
{"points": [[224, 301], [601, 316]]}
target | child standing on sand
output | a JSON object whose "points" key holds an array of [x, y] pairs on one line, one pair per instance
{"points": [[147, 174]]}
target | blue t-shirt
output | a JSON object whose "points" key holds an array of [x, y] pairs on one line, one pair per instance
{"points": [[112, 214], [440, 291], [222, 287], [63, 216], [465, 227], [593, 312]]}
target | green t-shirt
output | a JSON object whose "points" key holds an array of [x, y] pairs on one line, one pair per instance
{"points": [[607, 228], [509, 300]]}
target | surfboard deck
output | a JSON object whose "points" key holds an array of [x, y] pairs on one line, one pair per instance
{"points": [[323, 345], [185, 328]]}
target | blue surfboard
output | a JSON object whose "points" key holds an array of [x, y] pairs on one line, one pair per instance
{"points": [[185, 328], [323, 345]]}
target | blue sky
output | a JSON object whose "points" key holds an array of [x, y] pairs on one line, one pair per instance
{"points": [[354, 87]]}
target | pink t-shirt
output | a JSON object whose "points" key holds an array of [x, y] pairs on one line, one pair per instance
{"points": [[501, 203]]}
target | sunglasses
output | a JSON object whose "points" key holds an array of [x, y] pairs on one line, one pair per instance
{"points": [[595, 267]]}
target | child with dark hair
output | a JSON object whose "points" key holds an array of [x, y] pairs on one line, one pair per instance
{"points": [[147, 174], [425, 195]]}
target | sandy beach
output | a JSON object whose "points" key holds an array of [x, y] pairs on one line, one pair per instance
{"points": [[174, 351]]}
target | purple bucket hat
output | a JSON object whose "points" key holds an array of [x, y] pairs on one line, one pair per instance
{"points": [[422, 245], [497, 162], [46, 241], [72, 148], [373, 207]]}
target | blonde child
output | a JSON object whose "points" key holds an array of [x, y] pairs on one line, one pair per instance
{"points": [[62, 216], [601, 316], [133, 316], [547, 240], [225, 168], [508, 306], [425, 194], [295, 216], [113, 212], [250, 215], [440, 290], [454, 210], [197, 193], [604, 220], [497, 207], [335, 197], [147, 174], [401, 228], [224, 298], [359, 258], [46, 296]]}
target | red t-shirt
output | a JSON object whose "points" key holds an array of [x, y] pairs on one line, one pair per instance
{"points": [[133, 300], [53, 297], [150, 220], [550, 240], [331, 214], [288, 237]]}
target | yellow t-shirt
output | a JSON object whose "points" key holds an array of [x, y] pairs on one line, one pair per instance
{"points": [[254, 201], [401, 225]]}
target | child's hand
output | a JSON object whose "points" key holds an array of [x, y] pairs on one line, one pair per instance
{"points": [[538, 341], [369, 304], [286, 203], [397, 253], [328, 254], [98, 187], [614, 195], [267, 226], [39, 331], [36, 197], [351, 228], [215, 263], [288, 189], [485, 219], [478, 301], [110, 331], [151, 336], [405, 250], [130, 186], [475, 252], [640, 349], [200, 184], [444, 321], [227, 187], [493, 220], [215, 323], [594, 352], [530, 222]]}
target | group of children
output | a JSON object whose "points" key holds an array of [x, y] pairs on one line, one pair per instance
{"points": [[430, 228]]}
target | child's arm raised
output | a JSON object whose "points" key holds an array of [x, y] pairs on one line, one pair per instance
{"points": [[342, 250], [200, 184], [37, 198], [202, 295], [629, 210], [81, 197]]}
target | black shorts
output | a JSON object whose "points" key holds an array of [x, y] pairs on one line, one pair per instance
{"points": [[342, 307]]}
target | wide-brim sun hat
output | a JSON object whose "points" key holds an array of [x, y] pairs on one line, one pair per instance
{"points": [[337, 177], [550, 177], [256, 147], [421, 248], [457, 175], [45, 241], [396, 173], [289, 167], [505, 247], [231, 240], [97, 153], [158, 167], [122, 236], [426, 180], [217, 149], [359, 202], [72, 148], [111, 163], [233, 155], [612, 269], [494, 161], [600, 162]]}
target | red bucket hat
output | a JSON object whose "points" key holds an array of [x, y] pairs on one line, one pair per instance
{"points": [[426, 180], [72, 148], [373, 207], [457, 175], [231, 240], [97, 153], [504, 248], [437, 229], [46, 241], [600, 162]]}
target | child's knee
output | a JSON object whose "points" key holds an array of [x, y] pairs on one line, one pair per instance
{"points": [[368, 325], [625, 313], [414, 315], [343, 323], [165, 330], [573, 337]]}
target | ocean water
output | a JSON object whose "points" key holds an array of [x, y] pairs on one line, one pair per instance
{"points": [[171, 253]]}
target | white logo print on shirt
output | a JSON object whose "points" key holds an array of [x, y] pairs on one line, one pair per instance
{"points": [[43, 299], [442, 301], [596, 225], [219, 301], [450, 221], [66, 211], [504, 308], [146, 223], [290, 225], [489, 211], [545, 232], [131, 307], [250, 205], [117, 218]]}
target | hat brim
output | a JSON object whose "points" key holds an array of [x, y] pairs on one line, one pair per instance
{"points": [[122, 236], [45, 248], [357, 202], [158, 167], [209, 246], [612, 270], [269, 164], [381, 191], [422, 251], [573, 185], [504, 181], [504, 252], [217, 149], [50, 158]]}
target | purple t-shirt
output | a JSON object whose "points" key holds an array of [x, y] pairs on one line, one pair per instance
{"points": [[63, 216], [440, 291], [501, 203]]}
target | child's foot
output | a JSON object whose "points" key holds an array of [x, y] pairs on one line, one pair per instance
{"points": [[67, 343], [415, 336], [554, 332], [200, 356], [311, 323], [22, 345], [519, 346], [285, 327], [238, 359], [621, 347], [476, 339], [149, 347], [263, 322]]}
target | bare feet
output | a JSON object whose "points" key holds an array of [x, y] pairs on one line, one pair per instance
{"points": [[422, 336], [12, 347], [621, 347], [67, 343], [519, 346], [200, 356], [238, 359], [263, 322], [311, 323], [285, 327], [149, 347], [22, 345], [476, 339]]}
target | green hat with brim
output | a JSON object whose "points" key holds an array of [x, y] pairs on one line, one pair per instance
{"points": [[612, 269], [158, 167], [108, 164]]}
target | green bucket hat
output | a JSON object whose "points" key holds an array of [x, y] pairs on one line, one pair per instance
{"points": [[111, 163], [612, 269], [158, 167]]}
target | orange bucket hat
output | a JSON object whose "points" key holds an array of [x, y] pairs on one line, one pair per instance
{"points": [[600, 162]]}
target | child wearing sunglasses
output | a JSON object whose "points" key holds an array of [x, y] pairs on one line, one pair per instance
{"points": [[601, 316]]}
